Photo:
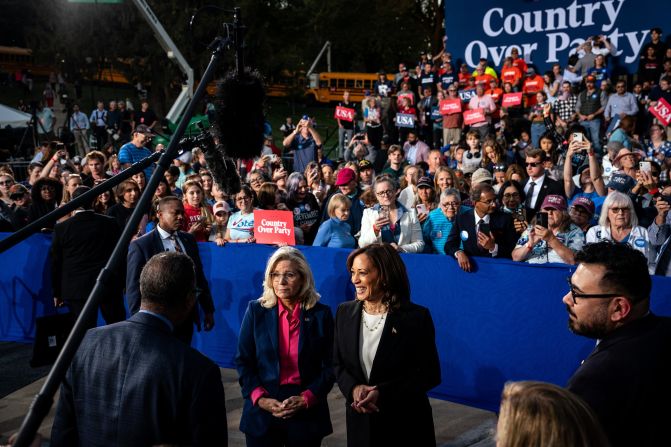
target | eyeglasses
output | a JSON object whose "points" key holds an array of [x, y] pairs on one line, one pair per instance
{"points": [[255, 180], [576, 295], [7, 183], [488, 202], [499, 168], [450, 204], [16, 197], [618, 210], [532, 165], [387, 193], [289, 276], [243, 199], [47, 188], [512, 195]]}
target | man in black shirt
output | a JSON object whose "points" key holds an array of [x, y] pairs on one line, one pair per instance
{"points": [[145, 116]]}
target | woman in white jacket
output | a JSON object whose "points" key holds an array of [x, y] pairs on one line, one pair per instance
{"points": [[389, 221]]}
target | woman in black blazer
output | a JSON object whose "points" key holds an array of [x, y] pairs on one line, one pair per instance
{"points": [[385, 355]]}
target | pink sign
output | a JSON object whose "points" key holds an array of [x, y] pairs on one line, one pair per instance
{"points": [[511, 99], [474, 116], [344, 113], [450, 106], [274, 227], [662, 111]]}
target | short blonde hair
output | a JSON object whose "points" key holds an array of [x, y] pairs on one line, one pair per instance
{"points": [[542, 414], [307, 294], [336, 201]]}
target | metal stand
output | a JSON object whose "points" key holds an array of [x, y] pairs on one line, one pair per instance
{"points": [[44, 399], [48, 219]]}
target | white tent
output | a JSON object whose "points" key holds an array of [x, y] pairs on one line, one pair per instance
{"points": [[13, 117]]}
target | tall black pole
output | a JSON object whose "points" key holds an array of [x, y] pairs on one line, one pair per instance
{"points": [[87, 197], [44, 399]]}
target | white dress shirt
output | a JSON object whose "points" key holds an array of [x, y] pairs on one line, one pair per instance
{"points": [[167, 241]]}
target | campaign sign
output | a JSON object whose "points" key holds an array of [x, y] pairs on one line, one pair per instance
{"points": [[511, 99], [474, 116], [274, 227], [344, 113], [405, 120], [450, 106], [662, 111], [466, 95], [546, 32]]}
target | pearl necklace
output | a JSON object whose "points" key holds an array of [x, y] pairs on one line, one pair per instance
{"points": [[376, 326]]}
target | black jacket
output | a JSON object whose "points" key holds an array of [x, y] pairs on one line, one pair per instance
{"points": [[463, 230], [405, 368], [626, 381]]}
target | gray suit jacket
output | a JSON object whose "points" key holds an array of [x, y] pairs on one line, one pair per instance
{"points": [[135, 384]]}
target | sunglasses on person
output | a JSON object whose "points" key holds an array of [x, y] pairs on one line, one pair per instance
{"points": [[47, 188], [499, 168], [6, 183], [17, 196], [532, 165], [470, 155]]}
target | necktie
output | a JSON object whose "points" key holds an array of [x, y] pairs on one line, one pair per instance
{"points": [[477, 228], [175, 243], [530, 195]]}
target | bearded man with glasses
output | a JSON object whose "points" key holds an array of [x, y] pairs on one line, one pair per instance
{"points": [[625, 379]]}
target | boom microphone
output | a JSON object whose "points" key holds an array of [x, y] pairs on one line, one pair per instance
{"points": [[223, 170], [239, 119]]}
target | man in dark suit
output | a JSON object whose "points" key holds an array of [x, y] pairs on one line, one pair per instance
{"points": [[135, 384], [539, 184], [483, 231], [80, 248], [167, 237], [625, 379]]}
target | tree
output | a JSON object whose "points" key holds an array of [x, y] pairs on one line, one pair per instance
{"points": [[281, 35]]}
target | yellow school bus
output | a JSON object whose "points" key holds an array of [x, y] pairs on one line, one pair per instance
{"points": [[321, 87], [329, 86], [14, 59]]}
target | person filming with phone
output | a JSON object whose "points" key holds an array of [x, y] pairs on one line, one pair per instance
{"points": [[389, 221], [552, 238], [483, 231], [303, 141]]}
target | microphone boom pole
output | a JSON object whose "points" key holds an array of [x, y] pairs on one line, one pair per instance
{"points": [[87, 197], [44, 399]]}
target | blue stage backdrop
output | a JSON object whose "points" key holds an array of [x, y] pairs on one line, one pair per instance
{"points": [[545, 30], [504, 322]]}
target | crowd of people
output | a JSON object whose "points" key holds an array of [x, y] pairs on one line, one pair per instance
{"points": [[573, 174], [571, 163]]}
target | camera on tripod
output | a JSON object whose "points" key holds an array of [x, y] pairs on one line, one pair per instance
{"points": [[203, 140]]}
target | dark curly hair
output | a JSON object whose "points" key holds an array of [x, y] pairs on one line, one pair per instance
{"points": [[626, 268], [393, 277]]}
